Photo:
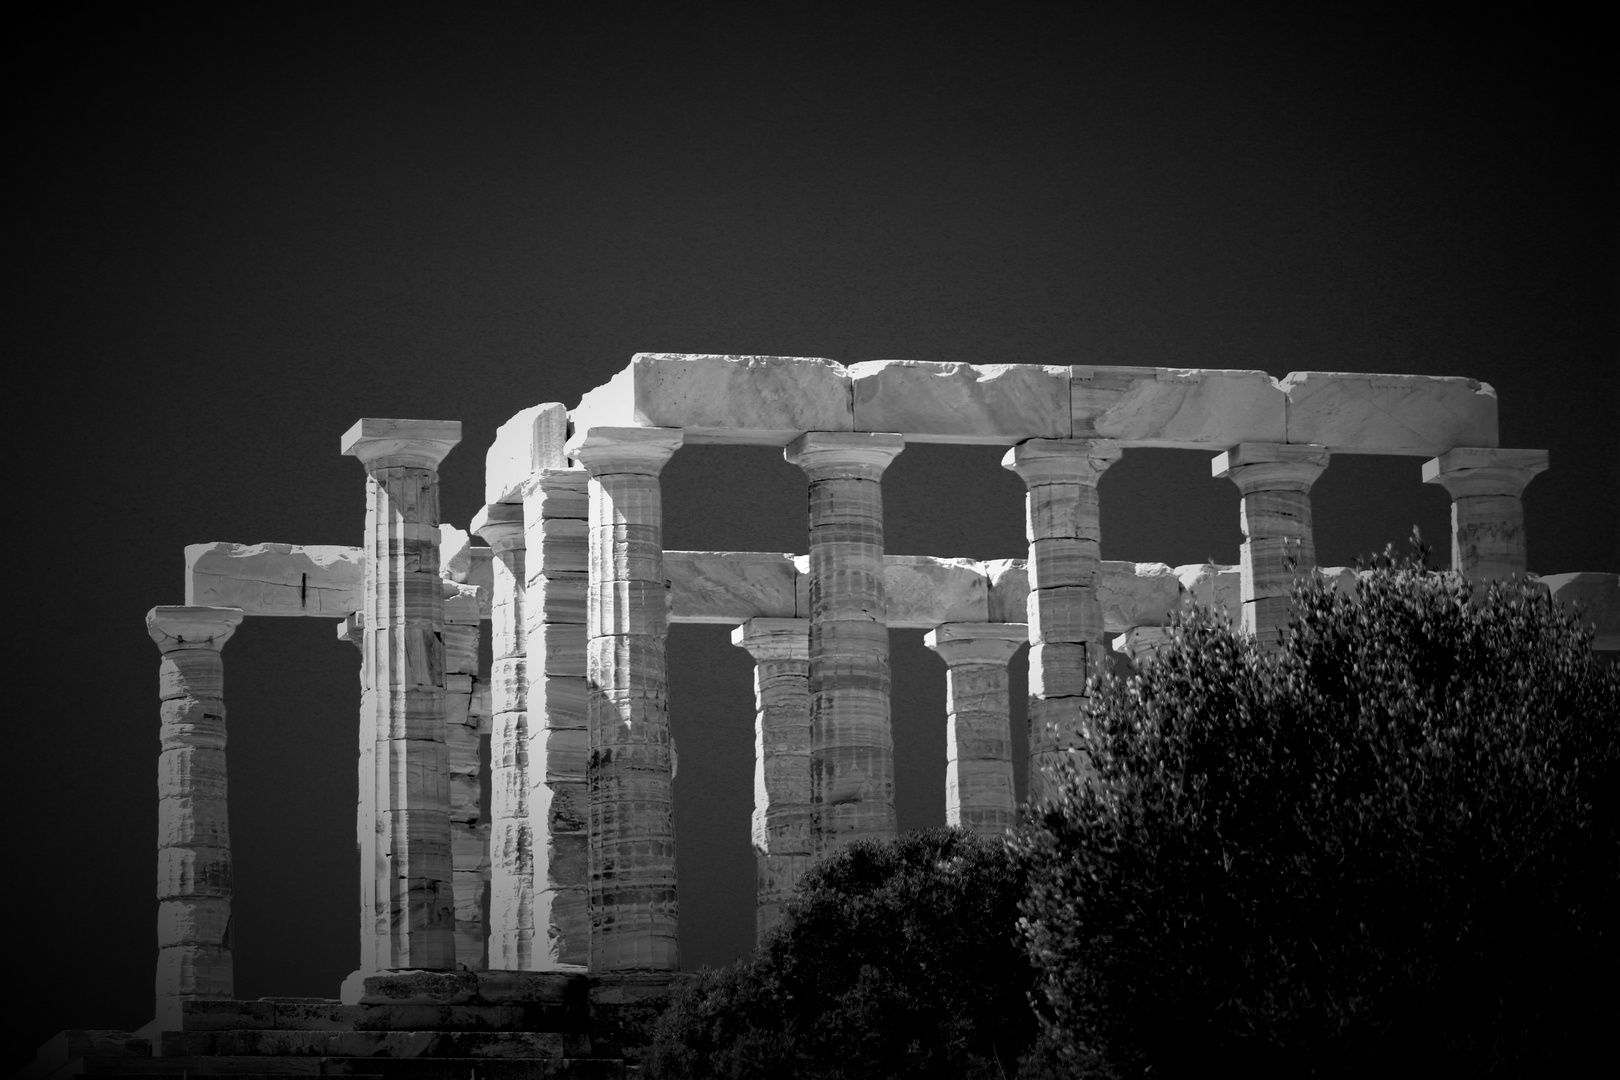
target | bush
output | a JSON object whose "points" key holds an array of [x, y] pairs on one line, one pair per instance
{"points": [[898, 959], [1389, 846]]}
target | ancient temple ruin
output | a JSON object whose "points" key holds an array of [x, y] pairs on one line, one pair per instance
{"points": [[573, 579]]}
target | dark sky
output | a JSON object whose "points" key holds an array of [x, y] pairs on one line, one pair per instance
{"points": [[237, 235]]}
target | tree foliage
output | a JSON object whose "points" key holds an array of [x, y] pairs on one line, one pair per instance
{"points": [[896, 959], [1389, 845]]}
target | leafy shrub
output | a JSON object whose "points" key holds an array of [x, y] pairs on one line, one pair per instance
{"points": [[897, 959], [1389, 846]]}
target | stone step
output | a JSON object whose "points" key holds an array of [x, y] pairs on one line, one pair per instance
{"points": [[350, 1068], [386, 1043], [320, 1015]]}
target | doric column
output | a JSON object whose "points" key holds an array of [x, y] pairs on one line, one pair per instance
{"points": [[194, 839], [851, 741], [353, 630], [1275, 481], [632, 828], [782, 847], [978, 743], [1487, 512], [1065, 617], [404, 711], [1141, 643], [511, 846], [555, 512], [469, 834]]}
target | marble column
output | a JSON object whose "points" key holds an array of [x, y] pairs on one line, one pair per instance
{"points": [[555, 525], [632, 829], [413, 917], [781, 823], [464, 724], [353, 630], [1275, 481], [511, 847], [1064, 614], [851, 740], [194, 840], [1486, 486], [979, 793]]}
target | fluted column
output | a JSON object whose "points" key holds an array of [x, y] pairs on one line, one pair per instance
{"points": [[469, 834], [851, 740], [632, 828], [1275, 481], [979, 793], [555, 512], [194, 839], [1487, 509], [511, 847], [404, 710], [1065, 617], [781, 824]]}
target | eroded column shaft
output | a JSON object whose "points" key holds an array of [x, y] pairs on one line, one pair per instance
{"points": [[851, 740], [404, 705], [1064, 616], [194, 843], [1487, 508], [464, 724], [1274, 480], [979, 793], [781, 821], [632, 832], [511, 902], [555, 512]]}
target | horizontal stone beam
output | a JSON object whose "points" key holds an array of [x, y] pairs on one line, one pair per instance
{"points": [[730, 587], [276, 579]]}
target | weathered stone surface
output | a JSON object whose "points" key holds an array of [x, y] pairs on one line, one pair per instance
{"points": [[1279, 545], [730, 587], [852, 745], [1219, 587], [275, 579], [411, 923], [1388, 414], [1141, 642], [1597, 597], [1136, 594], [530, 441], [986, 404], [924, 592], [1008, 581], [979, 794], [1486, 486], [768, 400], [1176, 407]]}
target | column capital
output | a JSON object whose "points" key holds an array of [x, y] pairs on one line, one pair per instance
{"points": [[830, 454], [174, 627], [1061, 461], [1470, 471], [643, 451], [976, 642], [1271, 466], [500, 525], [774, 639], [382, 443]]}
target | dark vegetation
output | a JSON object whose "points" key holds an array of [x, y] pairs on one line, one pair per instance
{"points": [[1391, 847]]}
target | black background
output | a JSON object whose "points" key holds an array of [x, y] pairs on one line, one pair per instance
{"points": [[237, 234]]}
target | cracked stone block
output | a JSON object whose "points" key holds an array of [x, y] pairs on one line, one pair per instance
{"points": [[276, 579], [1422, 415], [1186, 408], [766, 400], [530, 441], [985, 404]]}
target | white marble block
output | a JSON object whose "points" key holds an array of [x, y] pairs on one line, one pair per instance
{"points": [[275, 579], [528, 442], [1175, 407], [1388, 414], [985, 404], [767, 400]]}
